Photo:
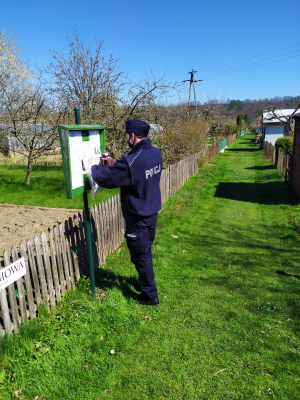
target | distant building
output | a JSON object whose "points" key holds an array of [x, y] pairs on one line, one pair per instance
{"points": [[10, 144], [155, 130], [275, 124]]}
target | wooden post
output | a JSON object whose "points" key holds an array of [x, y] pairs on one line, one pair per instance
{"points": [[87, 223]]}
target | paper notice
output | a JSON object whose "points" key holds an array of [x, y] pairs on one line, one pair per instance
{"points": [[76, 157], [81, 153], [94, 142]]}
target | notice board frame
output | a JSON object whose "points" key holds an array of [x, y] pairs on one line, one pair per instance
{"points": [[64, 132]]}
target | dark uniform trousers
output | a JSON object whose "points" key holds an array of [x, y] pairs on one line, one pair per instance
{"points": [[140, 235]]}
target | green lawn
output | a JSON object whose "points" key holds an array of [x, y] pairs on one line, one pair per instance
{"points": [[46, 188], [228, 322]]}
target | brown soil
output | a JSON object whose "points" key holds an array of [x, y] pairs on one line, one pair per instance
{"points": [[19, 223]]}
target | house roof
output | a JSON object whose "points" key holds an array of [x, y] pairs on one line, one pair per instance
{"points": [[268, 116]]}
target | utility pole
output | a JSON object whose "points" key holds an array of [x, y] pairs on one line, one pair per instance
{"points": [[192, 81]]}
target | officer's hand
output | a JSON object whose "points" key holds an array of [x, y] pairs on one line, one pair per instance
{"points": [[108, 161]]}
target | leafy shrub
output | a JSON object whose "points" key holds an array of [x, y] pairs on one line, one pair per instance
{"points": [[178, 142], [285, 144]]}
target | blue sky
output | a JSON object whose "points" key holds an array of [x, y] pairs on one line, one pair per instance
{"points": [[172, 37]]}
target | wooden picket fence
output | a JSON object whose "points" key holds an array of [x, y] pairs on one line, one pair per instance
{"points": [[231, 139], [214, 150], [55, 262], [280, 160], [181, 172]]}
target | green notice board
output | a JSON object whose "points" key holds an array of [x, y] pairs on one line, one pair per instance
{"points": [[78, 143]]}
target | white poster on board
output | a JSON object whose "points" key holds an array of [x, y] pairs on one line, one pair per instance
{"points": [[81, 153], [76, 157]]}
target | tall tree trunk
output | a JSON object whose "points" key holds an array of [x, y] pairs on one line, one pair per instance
{"points": [[29, 168]]}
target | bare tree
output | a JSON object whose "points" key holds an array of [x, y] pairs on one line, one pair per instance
{"points": [[105, 95], [15, 76], [29, 116], [31, 126]]}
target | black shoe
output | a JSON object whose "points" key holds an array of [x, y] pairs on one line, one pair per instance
{"points": [[137, 287], [144, 301]]}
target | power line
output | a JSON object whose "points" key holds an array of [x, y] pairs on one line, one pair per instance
{"points": [[272, 62], [248, 58], [255, 62], [243, 59]]}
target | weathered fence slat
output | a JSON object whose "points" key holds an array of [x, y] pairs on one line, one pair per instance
{"points": [[114, 210], [112, 222], [99, 234], [48, 269], [59, 262], [64, 256], [12, 296], [21, 295], [7, 325], [105, 229], [28, 286], [109, 217], [101, 238], [77, 248], [54, 267], [70, 263], [73, 251], [72, 278], [41, 270], [80, 222], [109, 220], [120, 221], [94, 223], [36, 283]]}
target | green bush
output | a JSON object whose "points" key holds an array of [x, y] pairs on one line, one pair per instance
{"points": [[285, 144]]}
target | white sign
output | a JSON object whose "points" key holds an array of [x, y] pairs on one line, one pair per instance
{"points": [[12, 273], [80, 154]]}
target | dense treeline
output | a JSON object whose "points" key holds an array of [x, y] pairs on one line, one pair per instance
{"points": [[253, 108]]}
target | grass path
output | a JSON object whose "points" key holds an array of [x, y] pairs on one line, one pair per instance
{"points": [[228, 322]]}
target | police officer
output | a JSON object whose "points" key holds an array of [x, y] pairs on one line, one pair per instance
{"points": [[137, 173]]}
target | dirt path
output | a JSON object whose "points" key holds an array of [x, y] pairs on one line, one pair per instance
{"points": [[23, 222]]}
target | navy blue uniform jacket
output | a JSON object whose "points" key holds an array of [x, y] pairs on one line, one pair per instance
{"points": [[137, 173]]}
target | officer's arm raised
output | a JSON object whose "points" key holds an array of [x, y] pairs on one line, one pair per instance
{"points": [[112, 177]]}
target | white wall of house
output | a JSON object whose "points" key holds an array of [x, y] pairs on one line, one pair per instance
{"points": [[273, 132]]}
